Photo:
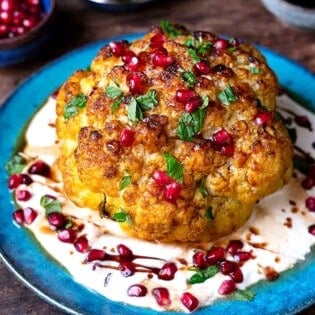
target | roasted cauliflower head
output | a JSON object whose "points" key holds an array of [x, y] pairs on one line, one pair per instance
{"points": [[174, 136]]}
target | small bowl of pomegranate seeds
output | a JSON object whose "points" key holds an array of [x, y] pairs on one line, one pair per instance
{"points": [[25, 27]]}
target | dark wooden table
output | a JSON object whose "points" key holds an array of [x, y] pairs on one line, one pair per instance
{"points": [[80, 24]]}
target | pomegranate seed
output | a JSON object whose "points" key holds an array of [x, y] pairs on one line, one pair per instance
{"points": [[133, 64], [199, 259], [81, 244], [29, 215], [118, 48], [193, 104], [136, 82], [227, 287], [137, 290], [127, 268], [125, 252], [8, 5], [263, 118], [310, 203], [189, 301], [226, 266], [234, 246], [96, 254], [30, 22], [40, 168], [161, 296], [157, 40], [18, 216], [311, 229], [26, 180], [182, 96], [237, 275], [160, 58], [18, 30], [303, 121], [23, 195], [308, 182], [202, 67], [6, 17], [221, 44], [67, 235], [33, 2], [311, 171], [4, 31], [18, 17], [56, 219], [127, 137], [14, 181], [167, 272], [161, 178], [127, 56], [227, 150], [214, 255], [221, 138], [171, 191]]}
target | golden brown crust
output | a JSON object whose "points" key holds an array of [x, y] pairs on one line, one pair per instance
{"points": [[94, 160]]}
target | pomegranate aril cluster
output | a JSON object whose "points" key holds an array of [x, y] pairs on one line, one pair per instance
{"points": [[17, 17]]}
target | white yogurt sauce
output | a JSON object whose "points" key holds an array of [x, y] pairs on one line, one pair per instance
{"points": [[276, 234]]}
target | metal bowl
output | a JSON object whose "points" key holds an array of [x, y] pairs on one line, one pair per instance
{"points": [[119, 5]]}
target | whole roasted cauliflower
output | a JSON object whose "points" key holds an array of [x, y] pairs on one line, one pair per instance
{"points": [[174, 135]]}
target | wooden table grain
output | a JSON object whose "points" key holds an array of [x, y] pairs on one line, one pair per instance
{"points": [[79, 24]]}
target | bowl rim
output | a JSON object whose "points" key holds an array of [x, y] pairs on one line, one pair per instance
{"points": [[289, 5], [7, 43]]}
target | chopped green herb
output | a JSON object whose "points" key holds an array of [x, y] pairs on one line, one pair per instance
{"points": [[209, 214], [134, 111], [15, 165], [174, 168], [169, 29], [202, 188], [50, 204], [203, 274], [147, 101], [255, 70], [243, 295], [193, 54], [204, 48], [190, 42], [125, 182], [116, 104], [227, 96], [189, 78], [190, 124], [113, 91], [77, 102], [121, 216], [205, 101]]}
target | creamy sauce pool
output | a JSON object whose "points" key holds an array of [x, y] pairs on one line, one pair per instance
{"points": [[276, 235]]}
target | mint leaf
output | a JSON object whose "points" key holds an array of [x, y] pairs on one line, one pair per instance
{"points": [[202, 188], [121, 216], [77, 102], [125, 182], [209, 214], [113, 91], [243, 295], [50, 204], [203, 274], [193, 54], [15, 165], [147, 101], [189, 78], [134, 111], [174, 168], [204, 48], [116, 104], [227, 96], [169, 29], [190, 124]]}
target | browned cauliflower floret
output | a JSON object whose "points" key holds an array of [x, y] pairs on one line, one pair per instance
{"points": [[175, 135]]}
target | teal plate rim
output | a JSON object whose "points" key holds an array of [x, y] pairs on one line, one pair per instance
{"points": [[291, 293]]}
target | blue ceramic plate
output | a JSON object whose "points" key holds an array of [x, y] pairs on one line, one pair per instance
{"points": [[294, 290]]}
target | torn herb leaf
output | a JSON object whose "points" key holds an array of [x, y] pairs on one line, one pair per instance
{"points": [[169, 29], [50, 204], [77, 102], [147, 101], [202, 188], [243, 295], [121, 216], [174, 168], [113, 91], [209, 214], [227, 96], [15, 165], [125, 182], [134, 111], [203, 274], [189, 78]]}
